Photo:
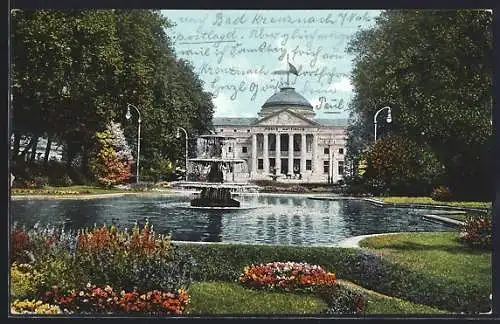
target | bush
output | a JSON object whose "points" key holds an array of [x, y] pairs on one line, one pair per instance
{"points": [[63, 181], [33, 307], [24, 281], [441, 193], [476, 231], [40, 182], [400, 166], [342, 300], [142, 186]]}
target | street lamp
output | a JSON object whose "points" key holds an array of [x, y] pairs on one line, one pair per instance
{"points": [[128, 115], [178, 135], [388, 119]]}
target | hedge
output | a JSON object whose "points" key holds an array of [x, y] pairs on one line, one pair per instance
{"points": [[225, 262]]}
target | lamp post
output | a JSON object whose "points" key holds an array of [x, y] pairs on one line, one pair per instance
{"points": [[388, 119], [178, 135], [128, 115]]}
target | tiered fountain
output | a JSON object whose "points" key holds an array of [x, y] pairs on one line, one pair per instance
{"points": [[216, 161]]}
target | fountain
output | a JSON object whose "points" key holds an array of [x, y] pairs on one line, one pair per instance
{"points": [[216, 159]]}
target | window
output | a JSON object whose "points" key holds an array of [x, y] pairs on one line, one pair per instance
{"points": [[260, 164], [308, 164], [235, 130], [326, 150], [221, 129], [341, 167], [248, 131], [326, 166], [229, 149], [341, 151], [244, 149]]}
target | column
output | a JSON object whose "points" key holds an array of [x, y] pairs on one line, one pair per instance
{"points": [[290, 153], [303, 157], [254, 154], [278, 153], [314, 161], [265, 153]]}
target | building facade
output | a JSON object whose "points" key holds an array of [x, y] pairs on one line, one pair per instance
{"points": [[285, 142]]}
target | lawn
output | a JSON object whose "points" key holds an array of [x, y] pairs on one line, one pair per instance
{"points": [[436, 254], [226, 298], [71, 190], [429, 200]]}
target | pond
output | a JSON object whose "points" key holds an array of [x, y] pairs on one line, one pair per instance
{"points": [[275, 219]]}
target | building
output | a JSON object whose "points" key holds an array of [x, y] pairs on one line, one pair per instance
{"points": [[309, 149]]}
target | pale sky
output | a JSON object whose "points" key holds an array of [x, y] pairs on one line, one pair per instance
{"points": [[235, 52]]}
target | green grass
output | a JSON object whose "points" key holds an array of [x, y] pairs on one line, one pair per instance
{"points": [[436, 254], [429, 200], [225, 298], [70, 190], [382, 304]]}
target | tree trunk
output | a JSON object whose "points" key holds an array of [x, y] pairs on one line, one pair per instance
{"points": [[33, 150], [17, 144], [47, 150]]}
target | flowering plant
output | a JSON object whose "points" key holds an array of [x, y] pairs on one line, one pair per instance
{"points": [[286, 276], [33, 307], [477, 231], [94, 299]]}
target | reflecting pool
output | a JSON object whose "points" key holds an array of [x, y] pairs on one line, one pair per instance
{"points": [[276, 219]]}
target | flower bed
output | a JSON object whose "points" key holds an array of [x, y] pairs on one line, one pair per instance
{"points": [[33, 307], [94, 300], [23, 191], [286, 276], [52, 265]]}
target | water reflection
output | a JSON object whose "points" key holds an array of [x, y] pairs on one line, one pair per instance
{"points": [[276, 219]]}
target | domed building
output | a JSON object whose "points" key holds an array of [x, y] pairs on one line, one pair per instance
{"points": [[285, 142]]}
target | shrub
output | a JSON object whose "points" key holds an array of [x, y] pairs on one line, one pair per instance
{"points": [[441, 193], [342, 300], [40, 182], [24, 281], [63, 181], [477, 231], [142, 186], [33, 307], [19, 246], [398, 165], [94, 299], [141, 259], [286, 276]]}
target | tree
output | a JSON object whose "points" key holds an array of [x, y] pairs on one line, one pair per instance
{"points": [[107, 165], [434, 68]]}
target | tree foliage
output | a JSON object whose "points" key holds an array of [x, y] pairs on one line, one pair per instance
{"points": [[402, 166], [434, 68], [74, 72]]}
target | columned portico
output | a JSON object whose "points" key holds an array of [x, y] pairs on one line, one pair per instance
{"points": [[278, 153], [303, 153], [265, 154], [290, 153], [254, 154]]}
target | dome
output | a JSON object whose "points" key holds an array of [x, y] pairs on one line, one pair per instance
{"points": [[287, 97]]}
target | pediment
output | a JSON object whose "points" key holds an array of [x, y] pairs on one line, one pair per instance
{"points": [[285, 118]]}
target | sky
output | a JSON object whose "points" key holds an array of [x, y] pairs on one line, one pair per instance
{"points": [[241, 55]]}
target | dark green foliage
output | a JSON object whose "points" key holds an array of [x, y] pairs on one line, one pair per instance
{"points": [[434, 68], [342, 300], [397, 165]]}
